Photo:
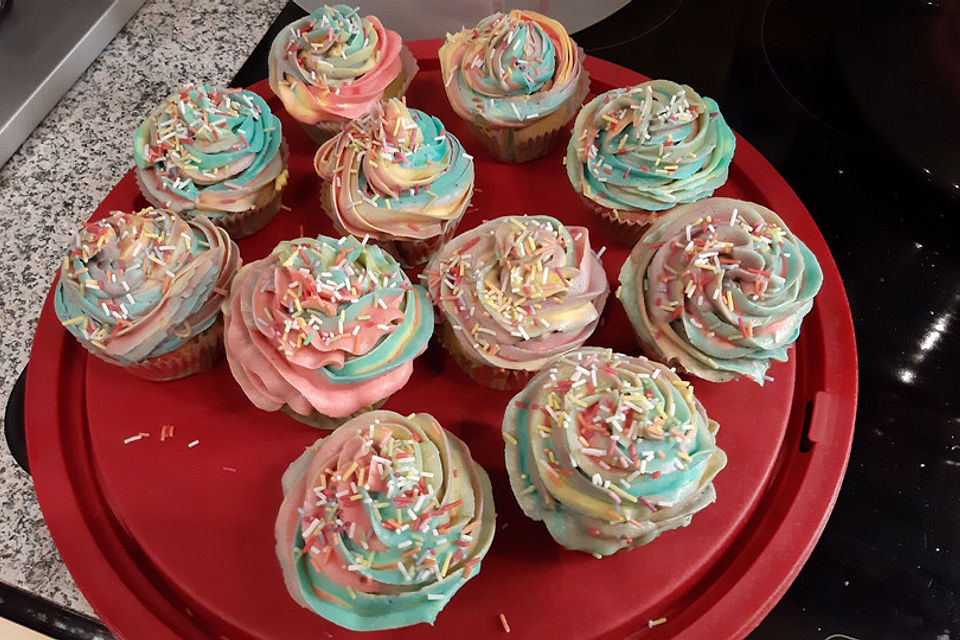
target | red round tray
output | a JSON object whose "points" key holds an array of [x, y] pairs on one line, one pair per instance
{"points": [[171, 541]]}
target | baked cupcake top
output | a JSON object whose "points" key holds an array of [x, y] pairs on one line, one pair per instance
{"points": [[138, 285], [335, 65], [383, 521], [395, 173], [519, 290], [650, 147], [720, 287], [324, 324], [609, 450], [210, 151], [511, 69]]}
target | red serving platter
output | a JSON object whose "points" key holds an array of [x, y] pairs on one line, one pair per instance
{"points": [[171, 541]]}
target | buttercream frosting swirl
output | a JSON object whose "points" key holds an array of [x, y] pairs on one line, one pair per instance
{"points": [[609, 450], [395, 173], [649, 147], [210, 151], [334, 64], [519, 290], [383, 521], [512, 69], [135, 286], [720, 287], [324, 325]]}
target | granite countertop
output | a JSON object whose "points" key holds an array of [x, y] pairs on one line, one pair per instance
{"points": [[56, 180]]}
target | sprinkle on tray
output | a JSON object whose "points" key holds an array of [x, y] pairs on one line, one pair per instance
{"points": [[193, 444], [504, 623], [654, 623]]}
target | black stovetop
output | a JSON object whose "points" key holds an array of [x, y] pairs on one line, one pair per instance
{"points": [[857, 106]]}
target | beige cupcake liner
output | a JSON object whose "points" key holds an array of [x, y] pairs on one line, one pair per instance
{"points": [[240, 224], [318, 420], [322, 131], [481, 372], [197, 354], [627, 225]]}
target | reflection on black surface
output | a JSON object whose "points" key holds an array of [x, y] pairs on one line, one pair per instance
{"points": [[856, 104]]}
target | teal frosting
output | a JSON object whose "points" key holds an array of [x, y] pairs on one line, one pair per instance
{"points": [[209, 141], [434, 500], [439, 147], [649, 464], [349, 33], [649, 147], [511, 69], [341, 264], [754, 280], [120, 269]]}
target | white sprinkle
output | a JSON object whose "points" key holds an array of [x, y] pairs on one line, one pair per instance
{"points": [[193, 444], [139, 436]]}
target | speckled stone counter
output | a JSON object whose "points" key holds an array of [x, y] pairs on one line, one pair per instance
{"points": [[57, 178]]}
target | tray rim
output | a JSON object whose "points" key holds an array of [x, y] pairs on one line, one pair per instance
{"points": [[816, 475]]}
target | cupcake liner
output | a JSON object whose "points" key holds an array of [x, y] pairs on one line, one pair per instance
{"points": [[242, 223], [481, 372], [197, 354], [626, 225], [523, 144], [322, 131], [318, 420]]}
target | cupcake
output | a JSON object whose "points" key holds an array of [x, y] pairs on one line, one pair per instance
{"points": [[517, 79], [610, 451], [143, 291], [636, 153], [515, 292], [333, 66], [213, 152], [324, 329], [397, 177], [383, 521], [719, 287]]}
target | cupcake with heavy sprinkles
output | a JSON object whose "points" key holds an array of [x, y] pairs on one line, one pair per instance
{"points": [[324, 328], [517, 79], [515, 292], [610, 451], [719, 288], [637, 152], [333, 66], [398, 177], [143, 290], [383, 521], [213, 152]]}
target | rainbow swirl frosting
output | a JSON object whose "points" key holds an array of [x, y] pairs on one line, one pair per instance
{"points": [[720, 287], [136, 286], [519, 290], [335, 65], [395, 173], [210, 151], [609, 451], [324, 325], [649, 147], [383, 521], [512, 69]]}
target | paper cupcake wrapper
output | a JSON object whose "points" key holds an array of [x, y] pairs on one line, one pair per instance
{"points": [[242, 223], [523, 144], [322, 131], [479, 371], [408, 252], [197, 354], [318, 420], [626, 225]]}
